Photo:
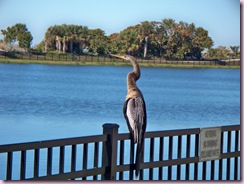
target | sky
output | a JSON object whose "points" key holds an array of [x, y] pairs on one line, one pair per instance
{"points": [[220, 17]]}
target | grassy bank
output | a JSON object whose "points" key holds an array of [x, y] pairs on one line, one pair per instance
{"points": [[112, 63]]}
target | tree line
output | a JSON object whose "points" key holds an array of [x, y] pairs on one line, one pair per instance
{"points": [[167, 39]]}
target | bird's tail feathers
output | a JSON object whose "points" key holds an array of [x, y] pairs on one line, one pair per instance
{"points": [[139, 155]]}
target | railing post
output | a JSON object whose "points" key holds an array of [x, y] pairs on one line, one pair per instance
{"points": [[109, 151]]}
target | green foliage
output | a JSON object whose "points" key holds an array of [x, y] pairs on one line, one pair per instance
{"points": [[39, 48], [20, 33], [128, 41], [97, 41], [25, 40], [235, 51], [147, 39], [166, 38], [222, 53], [71, 38]]}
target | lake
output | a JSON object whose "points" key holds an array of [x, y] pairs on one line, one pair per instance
{"points": [[41, 102]]}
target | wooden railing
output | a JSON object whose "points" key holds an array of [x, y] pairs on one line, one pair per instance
{"points": [[168, 155]]}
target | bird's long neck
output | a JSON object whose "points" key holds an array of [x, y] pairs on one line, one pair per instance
{"points": [[132, 77], [136, 69]]}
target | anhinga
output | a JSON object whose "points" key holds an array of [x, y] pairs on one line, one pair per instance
{"points": [[135, 109]]}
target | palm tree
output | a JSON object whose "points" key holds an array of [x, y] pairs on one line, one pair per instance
{"points": [[58, 39], [82, 37], [145, 30], [65, 39], [235, 51], [47, 38], [159, 37], [51, 37]]}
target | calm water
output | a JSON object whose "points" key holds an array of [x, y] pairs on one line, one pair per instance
{"points": [[39, 102]]}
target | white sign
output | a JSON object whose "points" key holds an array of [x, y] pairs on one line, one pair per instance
{"points": [[210, 140]]}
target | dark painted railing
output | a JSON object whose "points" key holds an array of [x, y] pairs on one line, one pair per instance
{"points": [[168, 155]]}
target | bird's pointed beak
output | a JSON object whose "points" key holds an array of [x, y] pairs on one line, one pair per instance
{"points": [[117, 56]]}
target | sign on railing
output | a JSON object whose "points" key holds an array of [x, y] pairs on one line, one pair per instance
{"points": [[210, 144]]}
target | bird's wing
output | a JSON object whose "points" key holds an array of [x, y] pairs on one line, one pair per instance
{"points": [[135, 115], [129, 114]]}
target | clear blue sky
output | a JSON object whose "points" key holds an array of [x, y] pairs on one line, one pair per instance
{"points": [[220, 17]]}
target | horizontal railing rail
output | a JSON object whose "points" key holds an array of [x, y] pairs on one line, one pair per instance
{"points": [[52, 143]]}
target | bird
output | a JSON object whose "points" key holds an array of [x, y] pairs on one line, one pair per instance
{"points": [[134, 109]]}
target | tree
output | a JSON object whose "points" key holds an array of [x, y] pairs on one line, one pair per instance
{"points": [[201, 41], [113, 43], [25, 40], [185, 33], [82, 37], [58, 43], [219, 53], [40, 47], [149, 38], [9, 37], [169, 32], [159, 38], [18, 33], [97, 41], [65, 39], [182, 39], [145, 31], [166, 38], [235, 51], [71, 38], [127, 41], [210, 54]]}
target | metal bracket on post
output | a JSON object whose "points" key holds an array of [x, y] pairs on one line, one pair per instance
{"points": [[109, 152]]}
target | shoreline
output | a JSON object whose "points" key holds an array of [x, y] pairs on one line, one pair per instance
{"points": [[112, 63]]}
